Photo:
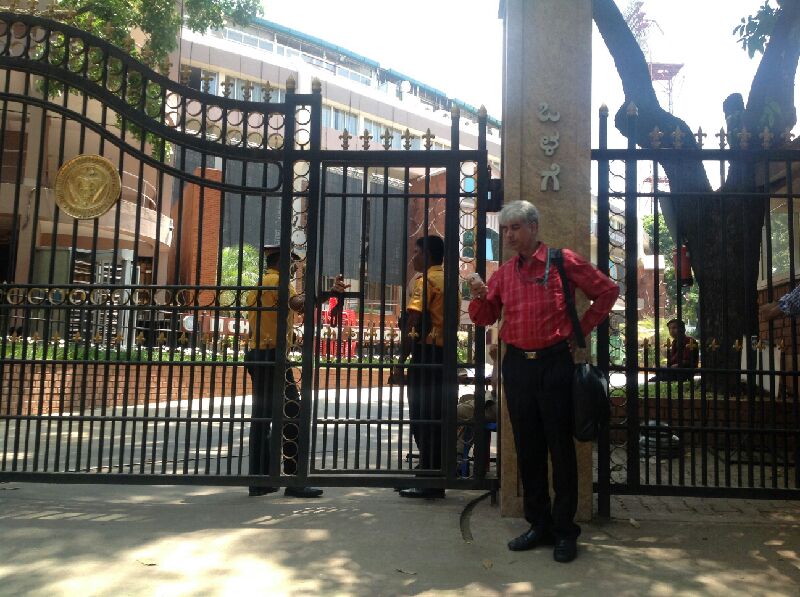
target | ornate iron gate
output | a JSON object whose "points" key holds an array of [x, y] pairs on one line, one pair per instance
{"points": [[720, 416], [123, 332]]}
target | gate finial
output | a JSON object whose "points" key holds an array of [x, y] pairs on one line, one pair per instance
{"points": [[429, 137], [407, 136], [345, 137], [316, 85], [291, 84], [700, 136], [766, 138], [387, 139], [677, 138], [365, 138]]}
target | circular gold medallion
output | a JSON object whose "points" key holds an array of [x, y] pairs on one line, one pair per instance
{"points": [[87, 186]]}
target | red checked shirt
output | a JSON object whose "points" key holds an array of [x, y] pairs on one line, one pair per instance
{"points": [[534, 315]]}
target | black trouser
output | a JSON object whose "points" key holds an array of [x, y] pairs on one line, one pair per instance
{"points": [[425, 389], [539, 399], [262, 376]]}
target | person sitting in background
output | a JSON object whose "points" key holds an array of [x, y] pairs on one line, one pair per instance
{"points": [[683, 354], [465, 410]]}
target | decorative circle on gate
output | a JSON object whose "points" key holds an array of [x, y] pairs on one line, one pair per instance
{"points": [[87, 186]]}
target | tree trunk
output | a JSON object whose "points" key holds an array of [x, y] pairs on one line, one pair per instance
{"points": [[722, 230]]}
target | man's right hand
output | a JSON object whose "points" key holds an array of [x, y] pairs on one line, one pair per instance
{"points": [[477, 287], [339, 285]]}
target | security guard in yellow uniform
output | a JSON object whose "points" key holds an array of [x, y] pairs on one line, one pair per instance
{"points": [[423, 338], [260, 363]]}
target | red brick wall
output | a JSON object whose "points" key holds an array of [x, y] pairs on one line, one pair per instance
{"points": [[192, 245], [783, 335], [142, 384], [131, 384]]}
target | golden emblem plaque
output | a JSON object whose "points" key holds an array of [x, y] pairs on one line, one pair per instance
{"points": [[87, 186]]}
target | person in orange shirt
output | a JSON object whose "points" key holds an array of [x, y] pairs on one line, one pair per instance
{"points": [[260, 360], [423, 339]]}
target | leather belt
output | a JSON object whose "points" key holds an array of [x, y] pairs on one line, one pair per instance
{"points": [[542, 353]]}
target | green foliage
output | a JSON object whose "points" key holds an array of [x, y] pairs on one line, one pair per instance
{"points": [[232, 274], [754, 31], [666, 247], [77, 351], [674, 390], [160, 23]]}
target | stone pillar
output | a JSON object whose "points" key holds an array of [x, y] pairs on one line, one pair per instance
{"points": [[546, 155]]}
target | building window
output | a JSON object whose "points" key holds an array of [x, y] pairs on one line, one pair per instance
{"points": [[336, 119], [199, 78], [376, 129], [353, 75], [257, 91], [780, 243], [391, 293], [247, 39]]}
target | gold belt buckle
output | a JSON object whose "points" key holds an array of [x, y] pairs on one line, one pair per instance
{"points": [[532, 355]]}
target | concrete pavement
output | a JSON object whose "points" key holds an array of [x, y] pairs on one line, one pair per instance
{"points": [[183, 540]]}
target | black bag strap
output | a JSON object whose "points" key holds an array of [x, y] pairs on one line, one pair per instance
{"points": [[556, 257]]}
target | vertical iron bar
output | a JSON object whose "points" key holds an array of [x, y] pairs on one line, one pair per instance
{"points": [[603, 331], [308, 407], [631, 303]]}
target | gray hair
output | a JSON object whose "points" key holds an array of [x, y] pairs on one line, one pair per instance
{"points": [[519, 211]]}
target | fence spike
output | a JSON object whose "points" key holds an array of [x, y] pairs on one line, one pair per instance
{"points": [[722, 137], [744, 139], [387, 139], [677, 138], [429, 137], [345, 138], [766, 138], [365, 138], [407, 137], [655, 137], [700, 136]]}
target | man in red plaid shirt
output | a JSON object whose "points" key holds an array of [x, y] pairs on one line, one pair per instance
{"points": [[538, 369]]}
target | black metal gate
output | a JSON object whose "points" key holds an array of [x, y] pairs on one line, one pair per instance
{"points": [[713, 411], [124, 333]]}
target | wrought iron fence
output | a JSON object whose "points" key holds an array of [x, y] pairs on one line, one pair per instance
{"points": [[710, 408], [124, 334]]}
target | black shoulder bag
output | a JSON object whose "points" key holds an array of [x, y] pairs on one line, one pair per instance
{"points": [[589, 384]]}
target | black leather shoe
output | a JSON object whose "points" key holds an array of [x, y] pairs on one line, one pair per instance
{"points": [[258, 491], [565, 550], [302, 492], [430, 493], [530, 539]]}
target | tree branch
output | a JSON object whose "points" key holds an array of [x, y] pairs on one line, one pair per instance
{"points": [[771, 99]]}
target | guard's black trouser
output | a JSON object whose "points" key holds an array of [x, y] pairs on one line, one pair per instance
{"points": [[262, 375], [425, 396], [539, 399]]}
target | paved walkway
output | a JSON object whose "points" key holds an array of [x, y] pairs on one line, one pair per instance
{"points": [[183, 540]]}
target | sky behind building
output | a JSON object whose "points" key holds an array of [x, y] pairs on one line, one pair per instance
{"points": [[456, 46]]}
